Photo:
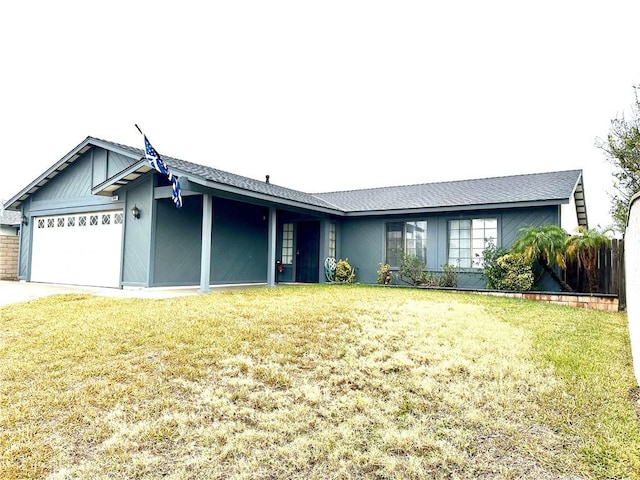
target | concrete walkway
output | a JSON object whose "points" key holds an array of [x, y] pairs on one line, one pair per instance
{"points": [[15, 292]]}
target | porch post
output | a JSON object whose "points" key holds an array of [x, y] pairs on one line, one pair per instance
{"points": [[205, 257], [271, 248]]}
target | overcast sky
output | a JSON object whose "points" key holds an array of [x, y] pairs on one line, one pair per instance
{"points": [[323, 96]]}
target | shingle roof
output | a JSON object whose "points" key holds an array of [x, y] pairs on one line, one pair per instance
{"points": [[180, 167], [550, 187], [536, 187]]}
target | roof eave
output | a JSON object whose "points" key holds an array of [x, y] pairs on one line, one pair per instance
{"points": [[456, 208], [580, 202]]}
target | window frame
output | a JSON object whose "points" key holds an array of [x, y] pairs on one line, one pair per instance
{"points": [[287, 244], [332, 239], [470, 241], [393, 244]]}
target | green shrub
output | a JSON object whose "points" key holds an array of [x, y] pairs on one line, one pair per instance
{"points": [[518, 274], [449, 276], [385, 276], [411, 269], [507, 271], [345, 272], [429, 279], [492, 271]]}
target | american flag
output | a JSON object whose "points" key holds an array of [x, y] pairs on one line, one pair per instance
{"points": [[158, 164]]}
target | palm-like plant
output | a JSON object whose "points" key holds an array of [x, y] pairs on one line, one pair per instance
{"points": [[584, 247], [546, 244]]}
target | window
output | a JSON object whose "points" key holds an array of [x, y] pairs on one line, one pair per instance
{"points": [[82, 221], [61, 222], [106, 219], [468, 239], [332, 240], [93, 220], [71, 221], [287, 243], [410, 237]]}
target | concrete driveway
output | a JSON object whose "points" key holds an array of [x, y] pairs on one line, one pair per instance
{"points": [[15, 292]]}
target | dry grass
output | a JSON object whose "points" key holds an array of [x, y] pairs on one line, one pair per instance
{"points": [[314, 382]]}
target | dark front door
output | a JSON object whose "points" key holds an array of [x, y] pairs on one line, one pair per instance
{"points": [[307, 252]]}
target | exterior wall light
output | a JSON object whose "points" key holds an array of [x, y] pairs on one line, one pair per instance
{"points": [[135, 211], [25, 220]]}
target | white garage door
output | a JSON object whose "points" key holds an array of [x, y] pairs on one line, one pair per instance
{"points": [[78, 249]]}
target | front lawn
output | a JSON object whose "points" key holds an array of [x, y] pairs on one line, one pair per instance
{"points": [[334, 381]]}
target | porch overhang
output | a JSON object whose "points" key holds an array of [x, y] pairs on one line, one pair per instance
{"points": [[195, 184], [109, 186]]}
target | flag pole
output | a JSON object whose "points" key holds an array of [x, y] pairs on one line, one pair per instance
{"points": [[138, 129]]}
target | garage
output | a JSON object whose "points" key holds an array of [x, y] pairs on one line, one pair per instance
{"points": [[78, 249]]}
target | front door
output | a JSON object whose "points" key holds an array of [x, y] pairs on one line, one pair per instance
{"points": [[308, 252]]}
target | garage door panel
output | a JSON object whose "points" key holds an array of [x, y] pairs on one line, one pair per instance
{"points": [[79, 249]]}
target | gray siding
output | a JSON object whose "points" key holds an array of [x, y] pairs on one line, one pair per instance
{"points": [[72, 183], [106, 164], [362, 243], [116, 163], [137, 236], [239, 242], [25, 244], [362, 240], [177, 249], [514, 220], [99, 157], [70, 190]]}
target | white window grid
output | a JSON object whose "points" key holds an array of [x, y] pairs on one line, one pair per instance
{"points": [[287, 243], [332, 240], [468, 238]]}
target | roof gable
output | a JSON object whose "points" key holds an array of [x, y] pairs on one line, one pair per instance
{"points": [[53, 171]]}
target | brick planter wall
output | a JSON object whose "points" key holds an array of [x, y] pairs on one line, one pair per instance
{"points": [[9, 257], [581, 300]]}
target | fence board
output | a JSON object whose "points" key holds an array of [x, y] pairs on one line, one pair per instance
{"points": [[610, 271]]}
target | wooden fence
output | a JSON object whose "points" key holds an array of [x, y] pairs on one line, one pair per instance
{"points": [[611, 278]]}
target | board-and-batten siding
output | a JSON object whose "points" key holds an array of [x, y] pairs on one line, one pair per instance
{"points": [[362, 242], [239, 242], [177, 242], [116, 163], [514, 220], [106, 164], [73, 182], [137, 239]]}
